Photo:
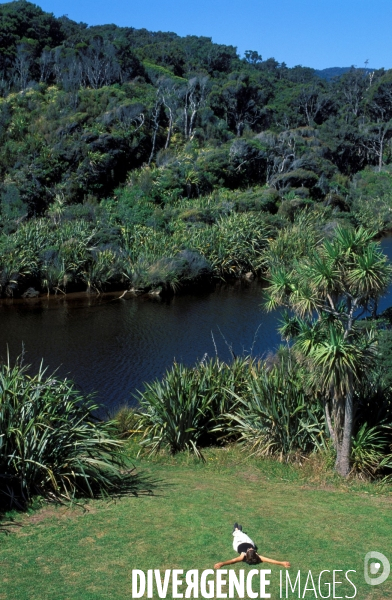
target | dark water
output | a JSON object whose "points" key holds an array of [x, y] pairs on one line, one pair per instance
{"points": [[112, 346]]}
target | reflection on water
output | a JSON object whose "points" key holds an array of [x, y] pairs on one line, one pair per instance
{"points": [[112, 346]]}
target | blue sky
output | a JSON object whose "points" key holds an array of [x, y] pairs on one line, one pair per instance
{"points": [[314, 33]]}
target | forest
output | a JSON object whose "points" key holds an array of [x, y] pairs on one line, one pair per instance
{"points": [[147, 161]]}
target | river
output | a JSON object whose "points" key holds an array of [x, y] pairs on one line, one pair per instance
{"points": [[111, 346]]}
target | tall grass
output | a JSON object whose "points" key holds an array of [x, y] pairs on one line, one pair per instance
{"points": [[277, 417], [261, 406], [181, 411], [76, 253], [51, 444]]}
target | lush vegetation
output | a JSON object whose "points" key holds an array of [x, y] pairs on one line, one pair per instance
{"points": [[258, 404], [144, 161], [269, 408], [329, 290], [329, 388], [181, 411], [52, 446], [147, 161]]}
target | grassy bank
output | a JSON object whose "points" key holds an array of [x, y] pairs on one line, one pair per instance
{"points": [[302, 515]]}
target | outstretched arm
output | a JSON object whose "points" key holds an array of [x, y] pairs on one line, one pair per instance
{"points": [[284, 563], [229, 562]]}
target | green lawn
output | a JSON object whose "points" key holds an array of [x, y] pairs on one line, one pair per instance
{"points": [[63, 554]]}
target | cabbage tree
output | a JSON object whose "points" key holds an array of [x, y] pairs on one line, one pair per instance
{"points": [[329, 292]]}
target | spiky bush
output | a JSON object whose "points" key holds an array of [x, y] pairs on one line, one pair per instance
{"points": [[51, 444], [234, 244], [369, 453], [277, 417], [181, 411], [296, 240]]}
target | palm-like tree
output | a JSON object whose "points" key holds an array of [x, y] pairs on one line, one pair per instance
{"points": [[329, 292]]}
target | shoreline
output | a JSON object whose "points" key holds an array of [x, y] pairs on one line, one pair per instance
{"points": [[119, 294], [30, 296]]}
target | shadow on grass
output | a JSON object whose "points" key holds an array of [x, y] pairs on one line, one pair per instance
{"points": [[8, 524], [134, 485], [142, 484]]}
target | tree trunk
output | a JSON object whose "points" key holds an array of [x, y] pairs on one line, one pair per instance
{"points": [[186, 118], [329, 423], [155, 120], [381, 153], [338, 408], [169, 131], [344, 451], [154, 137], [191, 124]]}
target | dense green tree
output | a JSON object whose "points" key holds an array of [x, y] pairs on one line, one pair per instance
{"points": [[351, 89], [25, 21], [253, 57], [239, 101], [85, 109], [313, 102]]}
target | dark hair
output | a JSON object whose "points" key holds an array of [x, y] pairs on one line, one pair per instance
{"points": [[251, 557]]}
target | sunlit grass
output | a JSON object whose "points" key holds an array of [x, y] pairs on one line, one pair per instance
{"points": [[315, 521]]}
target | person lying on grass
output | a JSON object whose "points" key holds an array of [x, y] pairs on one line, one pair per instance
{"points": [[247, 551]]}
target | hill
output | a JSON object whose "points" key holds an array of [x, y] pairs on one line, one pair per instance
{"points": [[158, 155], [331, 72]]}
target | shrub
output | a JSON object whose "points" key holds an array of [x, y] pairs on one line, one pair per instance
{"points": [[126, 422], [295, 241], [277, 417], [369, 450], [258, 199], [176, 412], [170, 273], [181, 411], [371, 195], [51, 444], [295, 179], [234, 245], [292, 207]]}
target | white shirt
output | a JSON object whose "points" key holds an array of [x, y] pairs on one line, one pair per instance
{"points": [[240, 538]]}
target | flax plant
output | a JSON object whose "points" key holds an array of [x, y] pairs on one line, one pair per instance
{"points": [[181, 411], [51, 444], [276, 417]]}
